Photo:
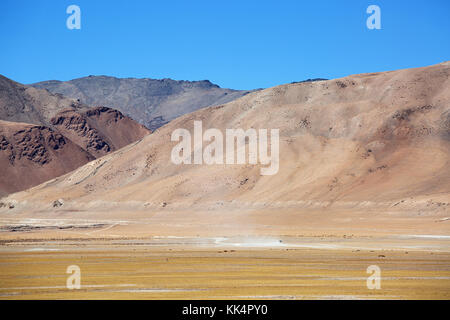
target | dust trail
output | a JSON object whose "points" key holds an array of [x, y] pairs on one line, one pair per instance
{"points": [[251, 242]]}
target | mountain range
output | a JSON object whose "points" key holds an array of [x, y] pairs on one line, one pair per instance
{"points": [[151, 102], [374, 142], [88, 118]]}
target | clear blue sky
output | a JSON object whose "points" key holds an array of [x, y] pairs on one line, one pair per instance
{"points": [[236, 44]]}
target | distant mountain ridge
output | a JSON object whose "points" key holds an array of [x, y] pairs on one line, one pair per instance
{"points": [[151, 102]]}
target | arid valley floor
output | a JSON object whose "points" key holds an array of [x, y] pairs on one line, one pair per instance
{"points": [[325, 261]]}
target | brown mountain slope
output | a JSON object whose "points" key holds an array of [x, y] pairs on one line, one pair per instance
{"points": [[31, 154], [377, 141], [96, 131], [20, 103]]}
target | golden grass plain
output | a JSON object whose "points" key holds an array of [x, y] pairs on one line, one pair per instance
{"points": [[228, 255], [134, 271]]}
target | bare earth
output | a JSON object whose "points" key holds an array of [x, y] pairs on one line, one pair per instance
{"points": [[364, 179], [172, 258]]}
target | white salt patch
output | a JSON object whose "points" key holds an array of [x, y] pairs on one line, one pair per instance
{"points": [[426, 236], [41, 249]]}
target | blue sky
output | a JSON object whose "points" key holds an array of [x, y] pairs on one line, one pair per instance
{"points": [[242, 44]]}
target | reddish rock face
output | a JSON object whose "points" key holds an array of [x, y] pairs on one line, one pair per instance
{"points": [[98, 130], [31, 154], [59, 135]]}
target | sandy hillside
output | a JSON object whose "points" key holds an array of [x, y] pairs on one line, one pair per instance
{"points": [[370, 141]]}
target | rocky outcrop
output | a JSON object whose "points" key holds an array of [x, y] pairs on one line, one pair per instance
{"points": [[98, 130], [32, 154], [76, 126]]}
